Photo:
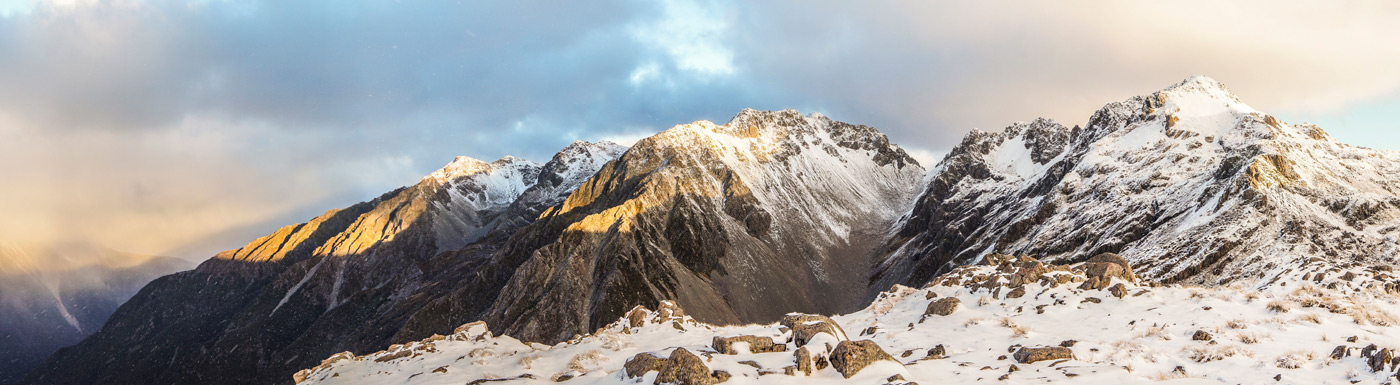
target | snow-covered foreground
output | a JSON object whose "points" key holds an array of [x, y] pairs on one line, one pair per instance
{"points": [[1285, 333]]}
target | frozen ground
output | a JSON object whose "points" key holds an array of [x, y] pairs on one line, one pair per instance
{"points": [[1284, 334]]}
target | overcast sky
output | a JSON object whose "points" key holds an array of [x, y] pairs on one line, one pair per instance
{"points": [[186, 127]]}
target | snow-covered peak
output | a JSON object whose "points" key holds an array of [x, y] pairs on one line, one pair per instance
{"points": [[1188, 183], [462, 166], [568, 169]]}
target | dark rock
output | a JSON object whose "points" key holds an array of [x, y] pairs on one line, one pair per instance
{"points": [[938, 352], [1029, 355], [1341, 351], [1201, 335], [850, 357], [1380, 359], [1068, 343]]}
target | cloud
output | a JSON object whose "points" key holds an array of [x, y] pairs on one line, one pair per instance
{"points": [[928, 71], [181, 126]]}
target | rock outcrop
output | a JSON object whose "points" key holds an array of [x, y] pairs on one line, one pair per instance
{"points": [[1027, 355], [850, 357]]}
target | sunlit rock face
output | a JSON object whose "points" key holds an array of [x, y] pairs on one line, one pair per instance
{"points": [[769, 213], [52, 296], [350, 279], [721, 218], [1188, 183]]}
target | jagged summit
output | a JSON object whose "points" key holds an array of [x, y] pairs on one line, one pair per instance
{"points": [[724, 219], [1189, 183]]}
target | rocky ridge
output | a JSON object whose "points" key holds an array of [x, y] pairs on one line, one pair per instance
{"points": [[356, 278], [1189, 184], [723, 219]]}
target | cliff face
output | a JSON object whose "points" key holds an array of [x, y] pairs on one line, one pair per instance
{"points": [[728, 220]]}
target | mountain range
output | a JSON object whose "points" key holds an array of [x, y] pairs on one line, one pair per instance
{"points": [[743, 222], [54, 295]]}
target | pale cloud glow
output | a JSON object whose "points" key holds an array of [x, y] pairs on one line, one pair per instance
{"points": [[185, 127], [691, 33]]}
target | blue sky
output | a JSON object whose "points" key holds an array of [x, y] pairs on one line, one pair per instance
{"points": [[184, 127]]}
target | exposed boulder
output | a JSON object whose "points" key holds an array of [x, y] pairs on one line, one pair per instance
{"points": [[809, 360], [1380, 359], [1118, 290], [943, 306], [806, 326], [684, 367], [938, 352], [642, 363], [1029, 355], [1102, 268], [725, 345], [850, 357], [1018, 292]]}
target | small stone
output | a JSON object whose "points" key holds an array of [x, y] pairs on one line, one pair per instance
{"points": [[719, 376], [1068, 343], [440, 369], [1351, 339], [1201, 335], [1340, 352], [1118, 290], [1092, 299], [938, 352]]}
